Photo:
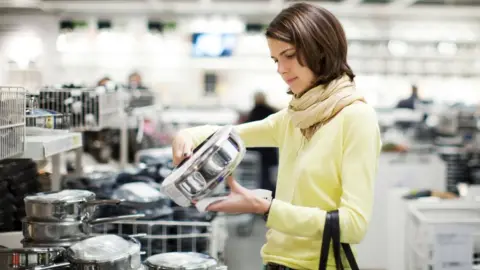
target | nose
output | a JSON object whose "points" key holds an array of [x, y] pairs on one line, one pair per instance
{"points": [[282, 67]]}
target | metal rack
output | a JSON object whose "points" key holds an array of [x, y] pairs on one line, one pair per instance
{"points": [[89, 108], [12, 121], [158, 236], [444, 233]]}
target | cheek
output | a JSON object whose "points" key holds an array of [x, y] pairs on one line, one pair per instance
{"points": [[306, 75]]}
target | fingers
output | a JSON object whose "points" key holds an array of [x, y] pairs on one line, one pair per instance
{"points": [[182, 148], [230, 205], [234, 185]]}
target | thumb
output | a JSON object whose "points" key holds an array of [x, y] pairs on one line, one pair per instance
{"points": [[233, 184]]}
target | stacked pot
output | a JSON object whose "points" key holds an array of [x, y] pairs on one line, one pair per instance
{"points": [[63, 218], [104, 252]]}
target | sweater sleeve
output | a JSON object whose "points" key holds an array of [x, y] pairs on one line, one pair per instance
{"points": [[263, 133], [361, 149]]}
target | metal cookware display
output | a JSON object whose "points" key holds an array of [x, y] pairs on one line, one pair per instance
{"points": [[65, 205], [26, 243], [181, 261], [211, 162], [32, 258], [105, 252], [143, 198], [38, 231]]}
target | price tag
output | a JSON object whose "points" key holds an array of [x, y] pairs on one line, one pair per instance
{"points": [[76, 141]]}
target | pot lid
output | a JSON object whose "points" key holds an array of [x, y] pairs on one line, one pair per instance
{"points": [[103, 248], [181, 261], [67, 195], [138, 192], [200, 154]]}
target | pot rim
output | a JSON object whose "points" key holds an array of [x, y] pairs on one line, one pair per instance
{"points": [[37, 199], [208, 264]]}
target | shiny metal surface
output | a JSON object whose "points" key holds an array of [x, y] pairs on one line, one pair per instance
{"points": [[36, 231], [212, 161], [181, 261], [65, 205], [117, 259], [64, 244], [29, 258]]}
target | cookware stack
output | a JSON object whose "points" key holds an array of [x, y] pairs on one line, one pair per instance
{"points": [[63, 218], [105, 252]]}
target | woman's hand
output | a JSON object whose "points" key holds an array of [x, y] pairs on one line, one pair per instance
{"points": [[182, 147], [240, 200]]}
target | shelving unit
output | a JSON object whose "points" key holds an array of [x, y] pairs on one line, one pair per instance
{"points": [[41, 144], [38, 144], [12, 121]]}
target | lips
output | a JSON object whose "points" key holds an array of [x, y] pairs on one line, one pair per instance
{"points": [[290, 81]]}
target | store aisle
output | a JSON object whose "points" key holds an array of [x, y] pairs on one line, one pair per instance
{"points": [[244, 252]]}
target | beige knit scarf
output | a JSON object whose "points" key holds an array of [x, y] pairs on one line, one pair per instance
{"points": [[315, 107]]}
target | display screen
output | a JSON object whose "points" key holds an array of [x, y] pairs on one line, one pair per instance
{"points": [[213, 44]]}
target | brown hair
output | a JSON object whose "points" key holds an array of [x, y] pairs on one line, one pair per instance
{"points": [[318, 37]]}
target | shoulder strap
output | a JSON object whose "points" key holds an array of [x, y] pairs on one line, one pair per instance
{"points": [[325, 244], [332, 232]]}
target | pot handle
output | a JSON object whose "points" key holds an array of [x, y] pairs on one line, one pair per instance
{"points": [[53, 266], [117, 218], [103, 202]]}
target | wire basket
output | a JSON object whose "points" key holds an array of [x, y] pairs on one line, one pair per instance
{"points": [[443, 235], [89, 109], [12, 121], [168, 236]]}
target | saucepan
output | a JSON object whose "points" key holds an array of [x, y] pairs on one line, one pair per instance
{"points": [[65, 205], [211, 162], [105, 252], [37, 231]]}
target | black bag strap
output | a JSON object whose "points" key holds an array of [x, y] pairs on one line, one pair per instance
{"points": [[332, 233], [327, 236]]}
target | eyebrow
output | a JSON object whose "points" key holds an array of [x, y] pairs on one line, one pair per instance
{"points": [[284, 51]]}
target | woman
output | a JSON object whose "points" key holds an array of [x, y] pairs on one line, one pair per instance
{"points": [[328, 140]]}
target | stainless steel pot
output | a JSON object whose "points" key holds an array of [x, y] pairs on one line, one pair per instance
{"points": [[36, 231], [27, 243], [105, 252], [31, 258], [212, 161], [181, 261], [65, 205]]}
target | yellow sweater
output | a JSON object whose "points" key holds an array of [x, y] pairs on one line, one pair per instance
{"points": [[336, 169]]}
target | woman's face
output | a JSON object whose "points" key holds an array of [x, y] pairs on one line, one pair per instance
{"points": [[299, 78]]}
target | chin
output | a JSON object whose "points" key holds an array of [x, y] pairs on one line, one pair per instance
{"points": [[296, 90]]}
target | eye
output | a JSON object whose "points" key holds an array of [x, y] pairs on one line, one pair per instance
{"points": [[275, 61], [290, 56]]}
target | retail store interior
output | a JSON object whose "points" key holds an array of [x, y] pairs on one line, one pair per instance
{"points": [[92, 94]]}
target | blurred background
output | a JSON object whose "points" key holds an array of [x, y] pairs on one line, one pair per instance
{"points": [[92, 92]]}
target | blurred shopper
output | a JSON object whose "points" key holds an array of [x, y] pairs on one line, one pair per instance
{"points": [[135, 81], [103, 81], [410, 102], [329, 145], [268, 155]]}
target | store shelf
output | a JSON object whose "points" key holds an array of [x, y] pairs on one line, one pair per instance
{"points": [[11, 239], [40, 147]]}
